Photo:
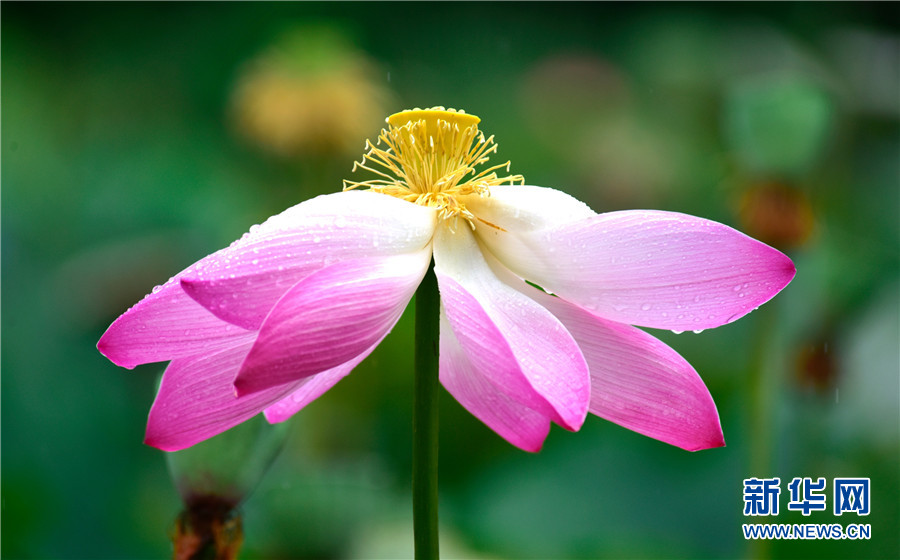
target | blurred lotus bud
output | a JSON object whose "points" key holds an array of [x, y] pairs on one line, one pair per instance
{"points": [[213, 478], [777, 214], [311, 92], [816, 366], [208, 531]]}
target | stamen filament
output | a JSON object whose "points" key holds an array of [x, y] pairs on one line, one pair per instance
{"points": [[427, 160]]}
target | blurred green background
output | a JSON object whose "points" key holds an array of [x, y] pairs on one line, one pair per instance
{"points": [[137, 138]]}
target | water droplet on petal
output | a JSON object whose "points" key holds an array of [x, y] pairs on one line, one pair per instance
{"points": [[646, 307]]}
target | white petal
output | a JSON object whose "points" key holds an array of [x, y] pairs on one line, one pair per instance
{"points": [[506, 336], [526, 208], [243, 283], [647, 268]]}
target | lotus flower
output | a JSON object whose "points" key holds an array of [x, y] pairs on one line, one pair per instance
{"points": [[540, 299]]}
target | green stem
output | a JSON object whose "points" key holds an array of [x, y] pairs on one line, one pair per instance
{"points": [[425, 421], [762, 394]]}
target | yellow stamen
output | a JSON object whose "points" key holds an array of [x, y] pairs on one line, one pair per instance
{"points": [[429, 158]]}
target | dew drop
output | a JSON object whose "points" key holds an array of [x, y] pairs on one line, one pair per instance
{"points": [[698, 331], [646, 307], [677, 332], [340, 222]]}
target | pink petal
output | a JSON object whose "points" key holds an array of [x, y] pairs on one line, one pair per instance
{"points": [[249, 277], [196, 399], [517, 424], [312, 387], [638, 382], [166, 324], [331, 317], [514, 342], [648, 268]]}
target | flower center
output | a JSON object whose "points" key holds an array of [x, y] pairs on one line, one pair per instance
{"points": [[429, 158]]}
